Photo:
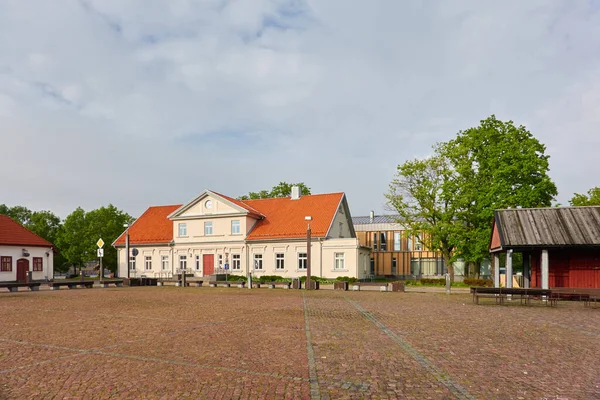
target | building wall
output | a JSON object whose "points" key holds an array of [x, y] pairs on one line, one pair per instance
{"points": [[16, 252], [575, 268], [323, 254], [340, 228]]}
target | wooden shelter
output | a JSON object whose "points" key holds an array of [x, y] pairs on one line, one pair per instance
{"points": [[560, 245]]}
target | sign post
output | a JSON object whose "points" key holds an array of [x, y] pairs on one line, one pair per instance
{"points": [[100, 244]]}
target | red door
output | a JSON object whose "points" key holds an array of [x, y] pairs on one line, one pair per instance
{"points": [[22, 269], [208, 262]]}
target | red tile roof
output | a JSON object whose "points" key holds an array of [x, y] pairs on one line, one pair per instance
{"points": [[241, 203], [285, 217], [14, 234], [151, 227]]}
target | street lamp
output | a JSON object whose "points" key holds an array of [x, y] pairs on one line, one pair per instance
{"points": [[308, 283], [127, 261]]}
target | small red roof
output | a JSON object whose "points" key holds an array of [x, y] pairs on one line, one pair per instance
{"points": [[14, 234], [285, 217], [151, 227]]}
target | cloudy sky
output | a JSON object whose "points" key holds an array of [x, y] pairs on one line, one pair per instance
{"points": [[146, 102]]}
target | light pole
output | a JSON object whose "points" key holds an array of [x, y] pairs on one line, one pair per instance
{"points": [[127, 261], [308, 246]]}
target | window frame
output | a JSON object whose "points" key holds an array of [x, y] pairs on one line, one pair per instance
{"points": [[39, 265], [236, 262], [164, 261], [258, 257], [182, 227], [339, 256], [279, 259], [132, 263], [147, 261], [182, 262], [302, 265], [397, 243], [197, 262], [6, 264], [207, 225], [375, 235], [238, 224]]}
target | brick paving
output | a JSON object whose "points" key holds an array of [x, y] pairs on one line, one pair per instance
{"points": [[190, 343]]}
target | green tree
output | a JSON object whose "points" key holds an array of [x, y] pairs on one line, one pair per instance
{"points": [[283, 189], [72, 239], [591, 199], [497, 165], [18, 213], [106, 223], [420, 195]]}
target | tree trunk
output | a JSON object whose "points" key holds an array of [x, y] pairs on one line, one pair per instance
{"points": [[450, 266]]}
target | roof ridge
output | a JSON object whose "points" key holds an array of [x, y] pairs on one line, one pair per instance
{"points": [[288, 197], [542, 208]]}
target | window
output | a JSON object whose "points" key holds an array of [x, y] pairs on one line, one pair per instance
{"points": [[418, 244], [394, 266], [372, 266], [182, 262], [182, 229], [236, 262], [397, 238], [197, 263], [339, 261], [258, 261], [5, 264], [279, 261], [220, 260], [409, 244], [148, 263], [208, 228], [302, 260], [132, 263], [164, 260], [38, 264], [235, 227], [383, 242], [375, 241]]}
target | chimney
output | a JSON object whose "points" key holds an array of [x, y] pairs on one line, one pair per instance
{"points": [[295, 193], [371, 216]]}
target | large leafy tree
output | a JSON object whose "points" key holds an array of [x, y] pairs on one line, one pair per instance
{"points": [[498, 165], [591, 199], [72, 239], [283, 189], [106, 223], [421, 196], [492, 166], [18, 213]]}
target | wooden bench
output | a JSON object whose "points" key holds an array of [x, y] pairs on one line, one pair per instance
{"points": [[14, 286], [502, 294], [576, 294], [71, 284], [272, 285], [116, 282], [383, 286], [239, 284]]}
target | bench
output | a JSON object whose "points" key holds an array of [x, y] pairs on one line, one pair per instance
{"points": [[502, 294], [576, 294], [116, 282], [272, 285], [383, 286], [14, 286], [239, 284], [71, 284]]}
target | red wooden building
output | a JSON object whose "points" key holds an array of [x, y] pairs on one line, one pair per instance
{"points": [[560, 246]]}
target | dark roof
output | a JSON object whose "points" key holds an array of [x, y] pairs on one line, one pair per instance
{"points": [[378, 219], [558, 226], [14, 234]]}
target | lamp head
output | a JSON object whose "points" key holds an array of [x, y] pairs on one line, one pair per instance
{"points": [[308, 218]]}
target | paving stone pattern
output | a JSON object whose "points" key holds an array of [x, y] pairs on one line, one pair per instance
{"points": [[207, 343]]}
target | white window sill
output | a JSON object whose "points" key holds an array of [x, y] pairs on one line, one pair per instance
{"points": [[281, 270], [300, 270], [186, 236], [259, 270], [340, 270]]}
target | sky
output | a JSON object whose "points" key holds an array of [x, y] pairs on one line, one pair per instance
{"points": [[148, 102]]}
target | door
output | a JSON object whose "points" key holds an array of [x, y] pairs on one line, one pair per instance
{"points": [[22, 270], [208, 263]]}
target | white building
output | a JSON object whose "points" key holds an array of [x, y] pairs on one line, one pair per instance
{"points": [[22, 253], [214, 233]]}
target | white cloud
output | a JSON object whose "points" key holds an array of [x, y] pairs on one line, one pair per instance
{"points": [[143, 102]]}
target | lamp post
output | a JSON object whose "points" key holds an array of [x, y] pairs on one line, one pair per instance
{"points": [[308, 246]]}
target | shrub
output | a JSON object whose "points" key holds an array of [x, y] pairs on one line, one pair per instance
{"points": [[272, 278], [348, 279], [478, 282], [236, 278], [433, 281]]}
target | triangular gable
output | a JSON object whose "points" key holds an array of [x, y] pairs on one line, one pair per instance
{"points": [[235, 205], [345, 210], [496, 237]]}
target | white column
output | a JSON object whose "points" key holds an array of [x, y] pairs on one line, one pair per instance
{"points": [[526, 271], [496, 270], [545, 280], [509, 271]]}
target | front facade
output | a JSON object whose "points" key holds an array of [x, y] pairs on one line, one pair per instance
{"points": [[24, 256], [560, 246], [394, 253], [216, 234]]}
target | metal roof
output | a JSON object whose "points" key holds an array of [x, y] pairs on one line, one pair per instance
{"points": [[558, 226], [377, 219]]}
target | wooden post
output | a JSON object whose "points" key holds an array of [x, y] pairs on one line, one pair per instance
{"points": [[526, 271], [509, 270], [496, 270], [545, 280]]}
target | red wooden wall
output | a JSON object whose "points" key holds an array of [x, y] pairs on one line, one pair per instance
{"points": [[568, 268]]}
